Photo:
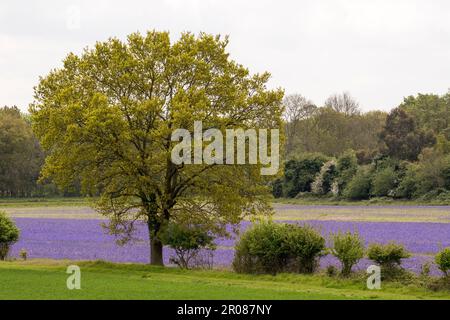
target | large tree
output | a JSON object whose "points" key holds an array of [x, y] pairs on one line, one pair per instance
{"points": [[107, 117], [403, 139]]}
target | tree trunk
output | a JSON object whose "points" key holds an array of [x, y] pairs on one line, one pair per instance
{"points": [[156, 252]]}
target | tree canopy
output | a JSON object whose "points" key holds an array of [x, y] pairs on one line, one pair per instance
{"points": [[106, 118]]}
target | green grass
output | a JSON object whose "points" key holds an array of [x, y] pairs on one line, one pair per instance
{"points": [[46, 279]]}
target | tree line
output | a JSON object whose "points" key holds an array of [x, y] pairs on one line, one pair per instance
{"points": [[410, 142], [337, 150], [21, 159]]}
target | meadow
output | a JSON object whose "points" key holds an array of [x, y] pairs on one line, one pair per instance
{"points": [[46, 279], [55, 234]]}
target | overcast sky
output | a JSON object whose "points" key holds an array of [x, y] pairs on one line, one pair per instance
{"points": [[379, 51]]}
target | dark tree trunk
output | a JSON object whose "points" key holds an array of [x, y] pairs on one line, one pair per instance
{"points": [[156, 252]]}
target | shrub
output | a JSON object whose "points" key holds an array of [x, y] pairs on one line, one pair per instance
{"points": [[187, 241], [299, 174], [407, 187], [269, 247], [261, 249], [331, 271], [324, 179], [359, 187], [346, 167], [9, 234], [23, 254], [384, 182], [348, 248], [305, 245], [388, 256], [442, 259]]}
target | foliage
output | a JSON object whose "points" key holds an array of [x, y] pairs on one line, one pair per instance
{"points": [[20, 155], [430, 111], [107, 116], [299, 174], [323, 182], [269, 247], [9, 234], [403, 139], [359, 187], [305, 245], [346, 167], [388, 256], [384, 182], [261, 249], [186, 241], [348, 248], [442, 259]]}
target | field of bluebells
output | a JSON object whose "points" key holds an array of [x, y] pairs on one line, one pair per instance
{"points": [[85, 239]]}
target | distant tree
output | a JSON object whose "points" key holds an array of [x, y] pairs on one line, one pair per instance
{"points": [[297, 108], [343, 103], [402, 138], [20, 154], [108, 115], [431, 112]]}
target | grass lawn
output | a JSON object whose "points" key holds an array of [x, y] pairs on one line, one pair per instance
{"points": [[46, 279]]}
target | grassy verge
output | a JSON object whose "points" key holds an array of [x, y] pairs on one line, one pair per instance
{"points": [[46, 279]]}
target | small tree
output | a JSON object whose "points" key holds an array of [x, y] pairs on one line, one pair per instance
{"points": [[187, 241], [348, 248], [9, 234]]}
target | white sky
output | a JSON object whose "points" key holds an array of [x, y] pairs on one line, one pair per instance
{"points": [[379, 50]]}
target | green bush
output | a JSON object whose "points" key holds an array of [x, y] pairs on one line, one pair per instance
{"points": [[299, 174], [9, 234], [261, 249], [347, 166], [186, 241], [407, 187], [269, 247], [383, 183], [388, 256], [359, 187], [442, 259], [305, 245], [348, 248]]}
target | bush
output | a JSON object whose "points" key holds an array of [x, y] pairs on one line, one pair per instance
{"points": [[269, 247], [305, 245], [384, 182], [323, 182], [187, 241], [359, 187], [299, 174], [9, 234], [261, 249], [388, 256], [442, 259], [347, 166], [348, 248]]}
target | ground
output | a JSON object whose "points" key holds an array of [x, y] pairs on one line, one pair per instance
{"points": [[46, 279]]}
